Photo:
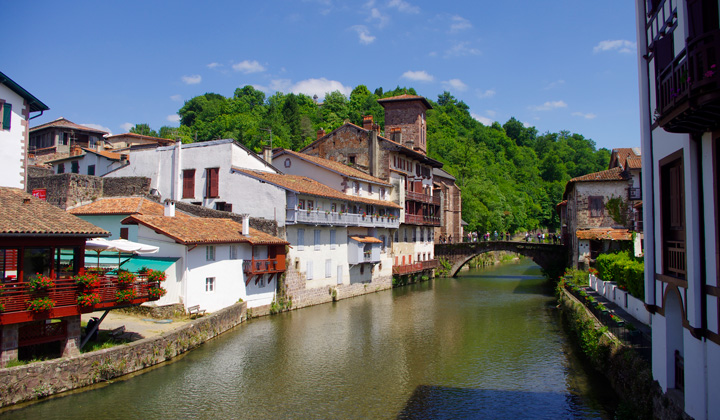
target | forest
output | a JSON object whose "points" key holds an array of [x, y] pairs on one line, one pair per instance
{"points": [[511, 177]]}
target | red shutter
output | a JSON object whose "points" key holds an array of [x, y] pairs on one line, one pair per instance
{"points": [[124, 233], [212, 182], [188, 183]]}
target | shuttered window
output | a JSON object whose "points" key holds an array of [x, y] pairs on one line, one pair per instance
{"points": [[595, 205], [6, 115], [672, 198], [211, 187], [188, 183]]}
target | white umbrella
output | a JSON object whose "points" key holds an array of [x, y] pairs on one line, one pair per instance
{"points": [[118, 245]]}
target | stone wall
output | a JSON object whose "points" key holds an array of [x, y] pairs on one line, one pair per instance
{"points": [[40, 379], [126, 186], [69, 190]]}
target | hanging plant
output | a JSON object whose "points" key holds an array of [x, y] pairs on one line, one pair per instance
{"points": [[40, 282], [88, 299], [156, 292], [41, 304], [87, 280], [156, 275], [125, 295], [125, 277]]}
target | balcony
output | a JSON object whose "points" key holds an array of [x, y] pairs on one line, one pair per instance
{"points": [[329, 218], [415, 267], [255, 268], [423, 198], [419, 219], [635, 193], [688, 89], [15, 298]]}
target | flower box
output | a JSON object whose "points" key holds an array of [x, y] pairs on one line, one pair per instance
{"points": [[87, 280], [88, 299], [156, 292], [126, 278], [125, 295], [156, 275], [39, 282], [41, 304]]}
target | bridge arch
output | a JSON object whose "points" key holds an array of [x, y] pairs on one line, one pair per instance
{"points": [[551, 258]]}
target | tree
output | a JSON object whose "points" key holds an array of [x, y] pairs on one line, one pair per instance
{"points": [[144, 130]]}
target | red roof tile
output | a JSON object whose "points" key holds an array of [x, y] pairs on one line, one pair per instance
{"points": [[621, 155], [122, 205], [141, 137], [609, 234], [634, 163], [614, 174], [405, 98], [21, 214], [335, 166], [65, 123], [203, 230]]}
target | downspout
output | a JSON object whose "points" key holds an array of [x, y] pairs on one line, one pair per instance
{"points": [[701, 222], [177, 171]]}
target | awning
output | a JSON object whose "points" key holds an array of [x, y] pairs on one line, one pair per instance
{"points": [[134, 264], [366, 239], [607, 234]]}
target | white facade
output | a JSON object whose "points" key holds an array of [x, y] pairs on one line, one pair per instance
{"points": [[12, 158], [88, 163], [166, 166], [680, 200]]}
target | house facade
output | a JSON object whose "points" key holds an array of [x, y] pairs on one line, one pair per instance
{"points": [[60, 135], [678, 45], [451, 225], [127, 140], [87, 162], [16, 104]]}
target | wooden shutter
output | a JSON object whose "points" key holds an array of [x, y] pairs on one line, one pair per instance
{"points": [[212, 182], [188, 183], [7, 115]]}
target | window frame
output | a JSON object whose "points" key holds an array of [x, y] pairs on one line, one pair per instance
{"points": [[5, 115], [210, 253], [188, 190], [210, 284], [212, 182], [594, 210]]}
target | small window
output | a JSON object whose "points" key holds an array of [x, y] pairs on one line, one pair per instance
{"points": [[595, 205], [91, 169], [356, 188], [301, 239], [210, 253], [310, 204], [333, 243], [261, 281], [301, 204], [188, 183], [5, 115], [317, 239], [209, 284], [124, 233], [61, 168], [212, 182], [351, 160], [309, 270], [333, 207], [223, 206], [328, 269], [382, 193], [233, 252], [370, 189], [75, 167], [288, 163]]}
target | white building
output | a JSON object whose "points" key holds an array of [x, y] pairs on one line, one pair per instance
{"points": [[16, 104], [205, 174], [88, 162], [678, 45]]}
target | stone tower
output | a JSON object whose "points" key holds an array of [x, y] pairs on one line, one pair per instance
{"points": [[405, 120]]}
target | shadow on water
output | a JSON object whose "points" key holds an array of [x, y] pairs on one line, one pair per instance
{"points": [[440, 402]]}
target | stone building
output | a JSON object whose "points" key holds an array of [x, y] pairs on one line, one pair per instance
{"points": [[451, 225], [57, 137]]}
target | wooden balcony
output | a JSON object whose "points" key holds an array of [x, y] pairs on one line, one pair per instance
{"points": [[675, 263], [415, 267], [423, 198], [419, 219], [255, 268], [16, 296], [688, 89]]}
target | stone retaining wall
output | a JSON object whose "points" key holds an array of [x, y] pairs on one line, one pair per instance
{"points": [[296, 289], [40, 379]]}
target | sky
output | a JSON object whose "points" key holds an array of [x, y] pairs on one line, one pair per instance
{"points": [[555, 65]]}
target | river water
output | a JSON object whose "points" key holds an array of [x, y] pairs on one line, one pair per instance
{"points": [[487, 344]]}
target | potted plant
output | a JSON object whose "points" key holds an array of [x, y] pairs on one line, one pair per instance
{"points": [[87, 280], [41, 304], [88, 299], [125, 277], [125, 295], [156, 275], [156, 292], [40, 282]]}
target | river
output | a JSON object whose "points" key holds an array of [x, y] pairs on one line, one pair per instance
{"points": [[487, 344]]}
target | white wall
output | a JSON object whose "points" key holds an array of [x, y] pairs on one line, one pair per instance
{"points": [[12, 158], [317, 257], [623, 299], [102, 164], [112, 224]]}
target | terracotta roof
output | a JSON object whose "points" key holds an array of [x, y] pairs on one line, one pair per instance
{"points": [[140, 136], [335, 166], [366, 239], [122, 205], [608, 234], [203, 230], [405, 98], [614, 174], [64, 123], [21, 214], [634, 163], [621, 155], [304, 185], [562, 203]]}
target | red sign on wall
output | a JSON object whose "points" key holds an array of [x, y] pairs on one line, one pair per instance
{"points": [[40, 193]]}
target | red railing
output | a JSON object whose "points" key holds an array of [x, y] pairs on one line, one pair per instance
{"points": [[419, 219], [415, 267], [267, 266], [15, 298], [410, 195]]}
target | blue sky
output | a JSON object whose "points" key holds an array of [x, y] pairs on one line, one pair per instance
{"points": [[556, 65]]}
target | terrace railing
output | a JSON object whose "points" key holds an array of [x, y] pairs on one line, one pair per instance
{"points": [[330, 218]]}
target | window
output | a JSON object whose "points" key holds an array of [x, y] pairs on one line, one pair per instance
{"points": [[5, 115], [301, 239], [356, 188], [328, 269], [333, 244], [414, 233], [61, 168], [309, 270], [351, 159], [422, 235], [301, 204], [382, 193], [223, 206], [595, 205], [233, 252], [397, 235], [382, 247], [261, 281], [288, 163], [405, 235], [369, 188], [124, 233], [209, 284], [211, 182], [188, 183], [310, 204], [75, 167], [672, 203], [210, 253], [91, 169], [317, 240], [333, 207]]}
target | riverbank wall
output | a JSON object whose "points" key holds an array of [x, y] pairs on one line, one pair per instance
{"points": [[41, 379], [629, 375]]}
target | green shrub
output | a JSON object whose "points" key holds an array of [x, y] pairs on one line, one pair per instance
{"points": [[624, 269]]}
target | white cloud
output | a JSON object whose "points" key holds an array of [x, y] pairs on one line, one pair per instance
{"points": [[491, 113], [280, 85], [97, 127], [127, 126], [459, 23], [526, 124], [461, 49], [176, 98], [404, 6], [248, 67], [620, 45], [381, 19], [192, 80], [553, 85], [550, 105], [214, 65], [319, 87], [485, 94], [363, 34], [588, 116], [455, 84], [174, 118], [418, 76], [484, 120]]}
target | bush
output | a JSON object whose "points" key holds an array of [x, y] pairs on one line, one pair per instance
{"points": [[625, 270]]}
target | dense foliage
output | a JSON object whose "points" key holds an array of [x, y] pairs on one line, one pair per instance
{"points": [[624, 269], [511, 178]]}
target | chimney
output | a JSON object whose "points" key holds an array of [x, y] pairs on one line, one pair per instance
{"points": [[245, 224], [368, 122], [267, 154], [396, 134], [320, 133], [169, 208]]}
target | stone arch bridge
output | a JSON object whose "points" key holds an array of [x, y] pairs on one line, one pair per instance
{"points": [[551, 258]]}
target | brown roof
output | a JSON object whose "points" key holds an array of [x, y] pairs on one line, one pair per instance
{"points": [[634, 163], [309, 186], [609, 234], [621, 155], [614, 174], [405, 98], [335, 166], [141, 137], [203, 230], [122, 205], [366, 239], [21, 214], [64, 123]]}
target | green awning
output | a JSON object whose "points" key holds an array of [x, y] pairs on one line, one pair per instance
{"points": [[134, 264]]}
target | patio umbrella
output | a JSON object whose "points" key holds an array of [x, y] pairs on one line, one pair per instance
{"points": [[118, 245]]}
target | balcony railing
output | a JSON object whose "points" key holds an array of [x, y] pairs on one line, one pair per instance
{"points": [[15, 298], [419, 219], [267, 266], [415, 267], [424, 198], [321, 217], [676, 262], [635, 193], [688, 89]]}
